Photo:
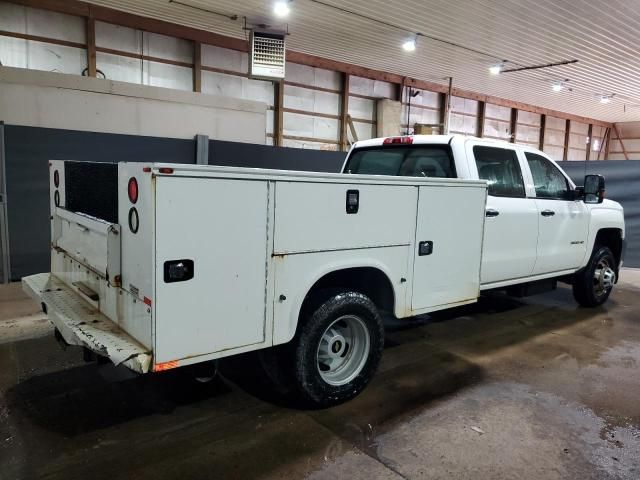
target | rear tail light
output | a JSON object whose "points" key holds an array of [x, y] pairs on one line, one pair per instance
{"points": [[132, 189], [407, 140]]}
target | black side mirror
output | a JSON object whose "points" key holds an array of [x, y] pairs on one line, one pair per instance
{"points": [[593, 189]]}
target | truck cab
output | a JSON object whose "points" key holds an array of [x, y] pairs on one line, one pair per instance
{"points": [[538, 224]]}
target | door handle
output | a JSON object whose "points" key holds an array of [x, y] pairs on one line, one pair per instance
{"points": [[490, 212], [547, 213]]}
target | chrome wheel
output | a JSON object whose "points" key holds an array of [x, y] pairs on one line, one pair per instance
{"points": [[604, 277], [343, 350]]}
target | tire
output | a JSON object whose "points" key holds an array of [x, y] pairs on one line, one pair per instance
{"points": [[337, 348], [593, 284]]}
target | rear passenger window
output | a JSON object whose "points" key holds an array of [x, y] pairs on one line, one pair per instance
{"points": [[501, 169]]}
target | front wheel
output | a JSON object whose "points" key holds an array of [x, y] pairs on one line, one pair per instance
{"points": [[337, 349], [593, 284]]}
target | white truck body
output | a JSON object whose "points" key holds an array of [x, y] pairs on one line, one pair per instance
{"points": [[259, 241], [196, 263]]}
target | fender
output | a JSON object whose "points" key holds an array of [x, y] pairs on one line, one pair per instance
{"points": [[609, 214], [285, 325]]}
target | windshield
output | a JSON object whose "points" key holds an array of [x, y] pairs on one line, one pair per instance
{"points": [[406, 160]]}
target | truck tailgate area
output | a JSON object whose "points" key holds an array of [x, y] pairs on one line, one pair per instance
{"points": [[83, 325]]}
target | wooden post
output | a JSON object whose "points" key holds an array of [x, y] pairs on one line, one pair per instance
{"points": [[513, 124], [279, 113], [589, 141], [91, 47], [482, 111], [624, 150], [344, 112], [606, 149], [197, 67], [567, 133], [543, 127]]}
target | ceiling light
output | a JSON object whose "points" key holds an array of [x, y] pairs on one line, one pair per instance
{"points": [[557, 86], [281, 9], [495, 69], [409, 45], [605, 98]]}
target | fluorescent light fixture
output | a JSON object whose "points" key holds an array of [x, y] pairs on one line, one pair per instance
{"points": [[495, 69], [605, 98], [557, 86], [409, 45], [281, 9]]}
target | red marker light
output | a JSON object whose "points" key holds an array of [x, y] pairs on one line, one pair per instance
{"points": [[132, 189], [165, 170], [146, 169], [56, 178], [398, 141]]}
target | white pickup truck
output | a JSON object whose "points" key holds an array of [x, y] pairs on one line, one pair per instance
{"points": [[158, 266]]}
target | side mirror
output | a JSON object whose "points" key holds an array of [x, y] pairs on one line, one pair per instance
{"points": [[593, 189]]}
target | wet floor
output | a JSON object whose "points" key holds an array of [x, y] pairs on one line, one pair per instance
{"points": [[535, 388]]}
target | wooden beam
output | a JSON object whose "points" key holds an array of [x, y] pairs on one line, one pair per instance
{"points": [[278, 120], [444, 112], [197, 67], [482, 112], [624, 150], [567, 137], [543, 127], [606, 150], [513, 125], [602, 142], [344, 112], [91, 46], [105, 14], [589, 141]]}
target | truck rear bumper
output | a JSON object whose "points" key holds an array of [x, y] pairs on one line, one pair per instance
{"points": [[81, 324]]}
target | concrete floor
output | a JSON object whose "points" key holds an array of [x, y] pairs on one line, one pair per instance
{"points": [[537, 388]]}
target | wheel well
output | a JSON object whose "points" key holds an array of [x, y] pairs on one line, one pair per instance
{"points": [[612, 238], [366, 280]]}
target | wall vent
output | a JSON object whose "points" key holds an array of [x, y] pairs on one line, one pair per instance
{"points": [[267, 56]]}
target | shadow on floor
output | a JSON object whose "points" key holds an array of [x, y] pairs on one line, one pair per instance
{"points": [[80, 399]]}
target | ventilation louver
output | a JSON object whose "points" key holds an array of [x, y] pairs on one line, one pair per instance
{"points": [[267, 57]]}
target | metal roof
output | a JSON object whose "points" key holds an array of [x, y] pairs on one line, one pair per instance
{"points": [[602, 36]]}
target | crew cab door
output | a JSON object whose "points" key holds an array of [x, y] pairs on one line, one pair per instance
{"points": [[511, 223], [562, 221]]}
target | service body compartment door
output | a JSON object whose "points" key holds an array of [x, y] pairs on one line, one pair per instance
{"points": [[449, 231], [220, 225]]}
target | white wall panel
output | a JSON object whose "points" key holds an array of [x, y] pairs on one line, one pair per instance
{"points": [[316, 77], [224, 58], [311, 100], [309, 145], [529, 118], [13, 52], [464, 105], [237, 87], [528, 135], [362, 108], [312, 127], [371, 88], [168, 76], [116, 37], [576, 155], [463, 124], [364, 131], [44, 23], [122, 69], [496, 129], [56, 58], [554, 152], [555, 123], [170, 48], [498, 112]]}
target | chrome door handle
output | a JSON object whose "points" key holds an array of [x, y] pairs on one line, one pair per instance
{"points": [[490, 212], [547, 213]]}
